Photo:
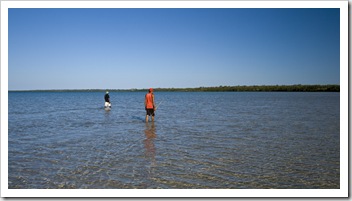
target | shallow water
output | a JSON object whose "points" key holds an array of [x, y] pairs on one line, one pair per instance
{"points": [[198, 140]]}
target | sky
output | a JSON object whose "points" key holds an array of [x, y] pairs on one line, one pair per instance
{"points": [[143, 48]]}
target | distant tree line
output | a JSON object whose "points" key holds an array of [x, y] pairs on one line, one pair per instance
{"points": [[266, 88], [243, 88]]}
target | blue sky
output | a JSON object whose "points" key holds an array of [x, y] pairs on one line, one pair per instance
{"points": [[142, 48]]}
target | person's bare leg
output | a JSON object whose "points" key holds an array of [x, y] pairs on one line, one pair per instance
{"points": [[152, 118], [146, 118]]}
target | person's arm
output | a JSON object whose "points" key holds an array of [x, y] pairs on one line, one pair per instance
{"points": [[145, 101], [153, 103]]}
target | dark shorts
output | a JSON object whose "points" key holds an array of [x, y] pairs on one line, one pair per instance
{"points": [[150, 112]]}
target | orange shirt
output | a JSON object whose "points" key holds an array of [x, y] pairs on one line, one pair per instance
{"points": [[149, 100]]}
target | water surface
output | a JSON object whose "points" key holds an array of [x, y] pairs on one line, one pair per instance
{"points": [[237, 140]]}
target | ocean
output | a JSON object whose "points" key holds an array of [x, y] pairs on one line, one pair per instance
{"points": [[199, 140]]}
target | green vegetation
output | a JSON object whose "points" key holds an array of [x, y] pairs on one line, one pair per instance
{"points": [[243, 88], [267, 88]]}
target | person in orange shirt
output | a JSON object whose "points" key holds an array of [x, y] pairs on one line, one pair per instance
{"points": [[149, 105]]}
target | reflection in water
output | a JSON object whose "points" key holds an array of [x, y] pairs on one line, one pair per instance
{"points": [[150, 134]]}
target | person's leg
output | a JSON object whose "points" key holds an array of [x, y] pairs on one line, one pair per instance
{"points": [[146, 115]]}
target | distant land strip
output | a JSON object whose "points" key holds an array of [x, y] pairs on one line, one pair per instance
{"points": [[242, 88]]}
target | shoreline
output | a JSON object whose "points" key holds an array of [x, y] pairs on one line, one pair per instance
{"points": [[239, 88]]}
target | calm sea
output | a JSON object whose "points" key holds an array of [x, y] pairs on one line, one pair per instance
{"points": [[237, 140]]}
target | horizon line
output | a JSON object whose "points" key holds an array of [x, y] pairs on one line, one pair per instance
{"points": [[175, 88]]}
